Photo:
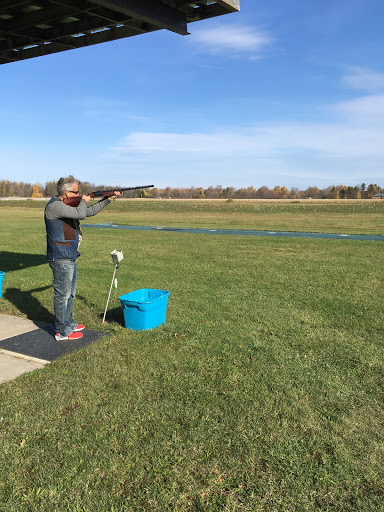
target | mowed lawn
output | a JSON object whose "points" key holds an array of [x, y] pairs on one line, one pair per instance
{"points": [[263, 391], [351, 217], [322, 216]]}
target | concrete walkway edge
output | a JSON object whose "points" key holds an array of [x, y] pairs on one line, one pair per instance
{"points": [[22, 356]]}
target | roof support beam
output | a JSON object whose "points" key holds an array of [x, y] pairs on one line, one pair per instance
{"points": [[73, 42], [206, 11], [150, 12], [231, 5]]}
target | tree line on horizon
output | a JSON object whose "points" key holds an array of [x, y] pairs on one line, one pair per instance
{"points": [[363, 191]]}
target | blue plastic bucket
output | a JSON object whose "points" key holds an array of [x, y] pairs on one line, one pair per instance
{"points": [[1, 280], [144, 309]]}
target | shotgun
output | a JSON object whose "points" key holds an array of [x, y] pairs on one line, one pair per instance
{"points": [[75, 201]]}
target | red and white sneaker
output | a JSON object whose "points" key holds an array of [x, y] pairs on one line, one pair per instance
{"points": [[71, 337], [79, 327]]}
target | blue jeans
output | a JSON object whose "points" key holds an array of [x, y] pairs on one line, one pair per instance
{"points": [[64, 286]]}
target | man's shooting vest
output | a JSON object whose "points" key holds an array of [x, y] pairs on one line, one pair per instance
{"points": [[62, 237]]}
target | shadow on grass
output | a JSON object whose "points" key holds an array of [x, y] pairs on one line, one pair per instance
{"points": [[114, 315], [25, 302], [10, 261]]}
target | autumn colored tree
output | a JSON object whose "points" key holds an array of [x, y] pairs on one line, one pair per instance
{"points": [[227, 193], [154, 192], [294, 193], [35, 191], [313, 192], [263, 193], [372, 189]]}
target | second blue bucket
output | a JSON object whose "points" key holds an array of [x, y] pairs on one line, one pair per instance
{"points": [[144, 309], [2, 274]]}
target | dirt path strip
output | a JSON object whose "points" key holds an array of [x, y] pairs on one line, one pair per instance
{"points": [[247, 232]]}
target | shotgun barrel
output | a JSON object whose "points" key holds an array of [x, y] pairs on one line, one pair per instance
{"points": [[106, 193], [75, 201]]}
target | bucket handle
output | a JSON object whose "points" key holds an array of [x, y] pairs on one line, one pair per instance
{"points": [[126, 306]]}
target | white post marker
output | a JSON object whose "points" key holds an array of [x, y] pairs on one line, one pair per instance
{"points": [[117, 256]]}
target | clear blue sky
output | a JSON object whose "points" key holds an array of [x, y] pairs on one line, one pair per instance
{"points": [[283, 93]]}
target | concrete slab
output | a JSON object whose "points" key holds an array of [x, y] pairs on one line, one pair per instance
{"points": [[13, 326], [13, 365]]}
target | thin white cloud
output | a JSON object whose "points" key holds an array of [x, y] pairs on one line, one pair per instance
{"points": [[332, 140], [367, 110], [109, 108], [364, 79], [341, 151], [232, 38]]}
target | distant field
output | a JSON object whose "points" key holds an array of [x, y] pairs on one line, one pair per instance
{"points": [[262, 392], [324, 216]]}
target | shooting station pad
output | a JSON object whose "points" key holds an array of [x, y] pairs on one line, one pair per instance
{"points": [[33, 28], [26, 345]]}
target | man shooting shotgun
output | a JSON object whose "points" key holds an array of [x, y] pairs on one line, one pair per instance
{"points": [[62, 215]]}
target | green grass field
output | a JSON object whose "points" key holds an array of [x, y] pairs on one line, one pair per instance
{"points": [[263, 391], [342, 216]]}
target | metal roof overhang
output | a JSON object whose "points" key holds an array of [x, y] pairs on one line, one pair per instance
{"points": [[32, 28]]}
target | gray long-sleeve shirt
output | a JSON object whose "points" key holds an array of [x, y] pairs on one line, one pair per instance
{"points": [[59, 210]]}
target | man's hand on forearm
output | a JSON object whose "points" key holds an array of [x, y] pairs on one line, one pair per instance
{"points": [[116, 193]]}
